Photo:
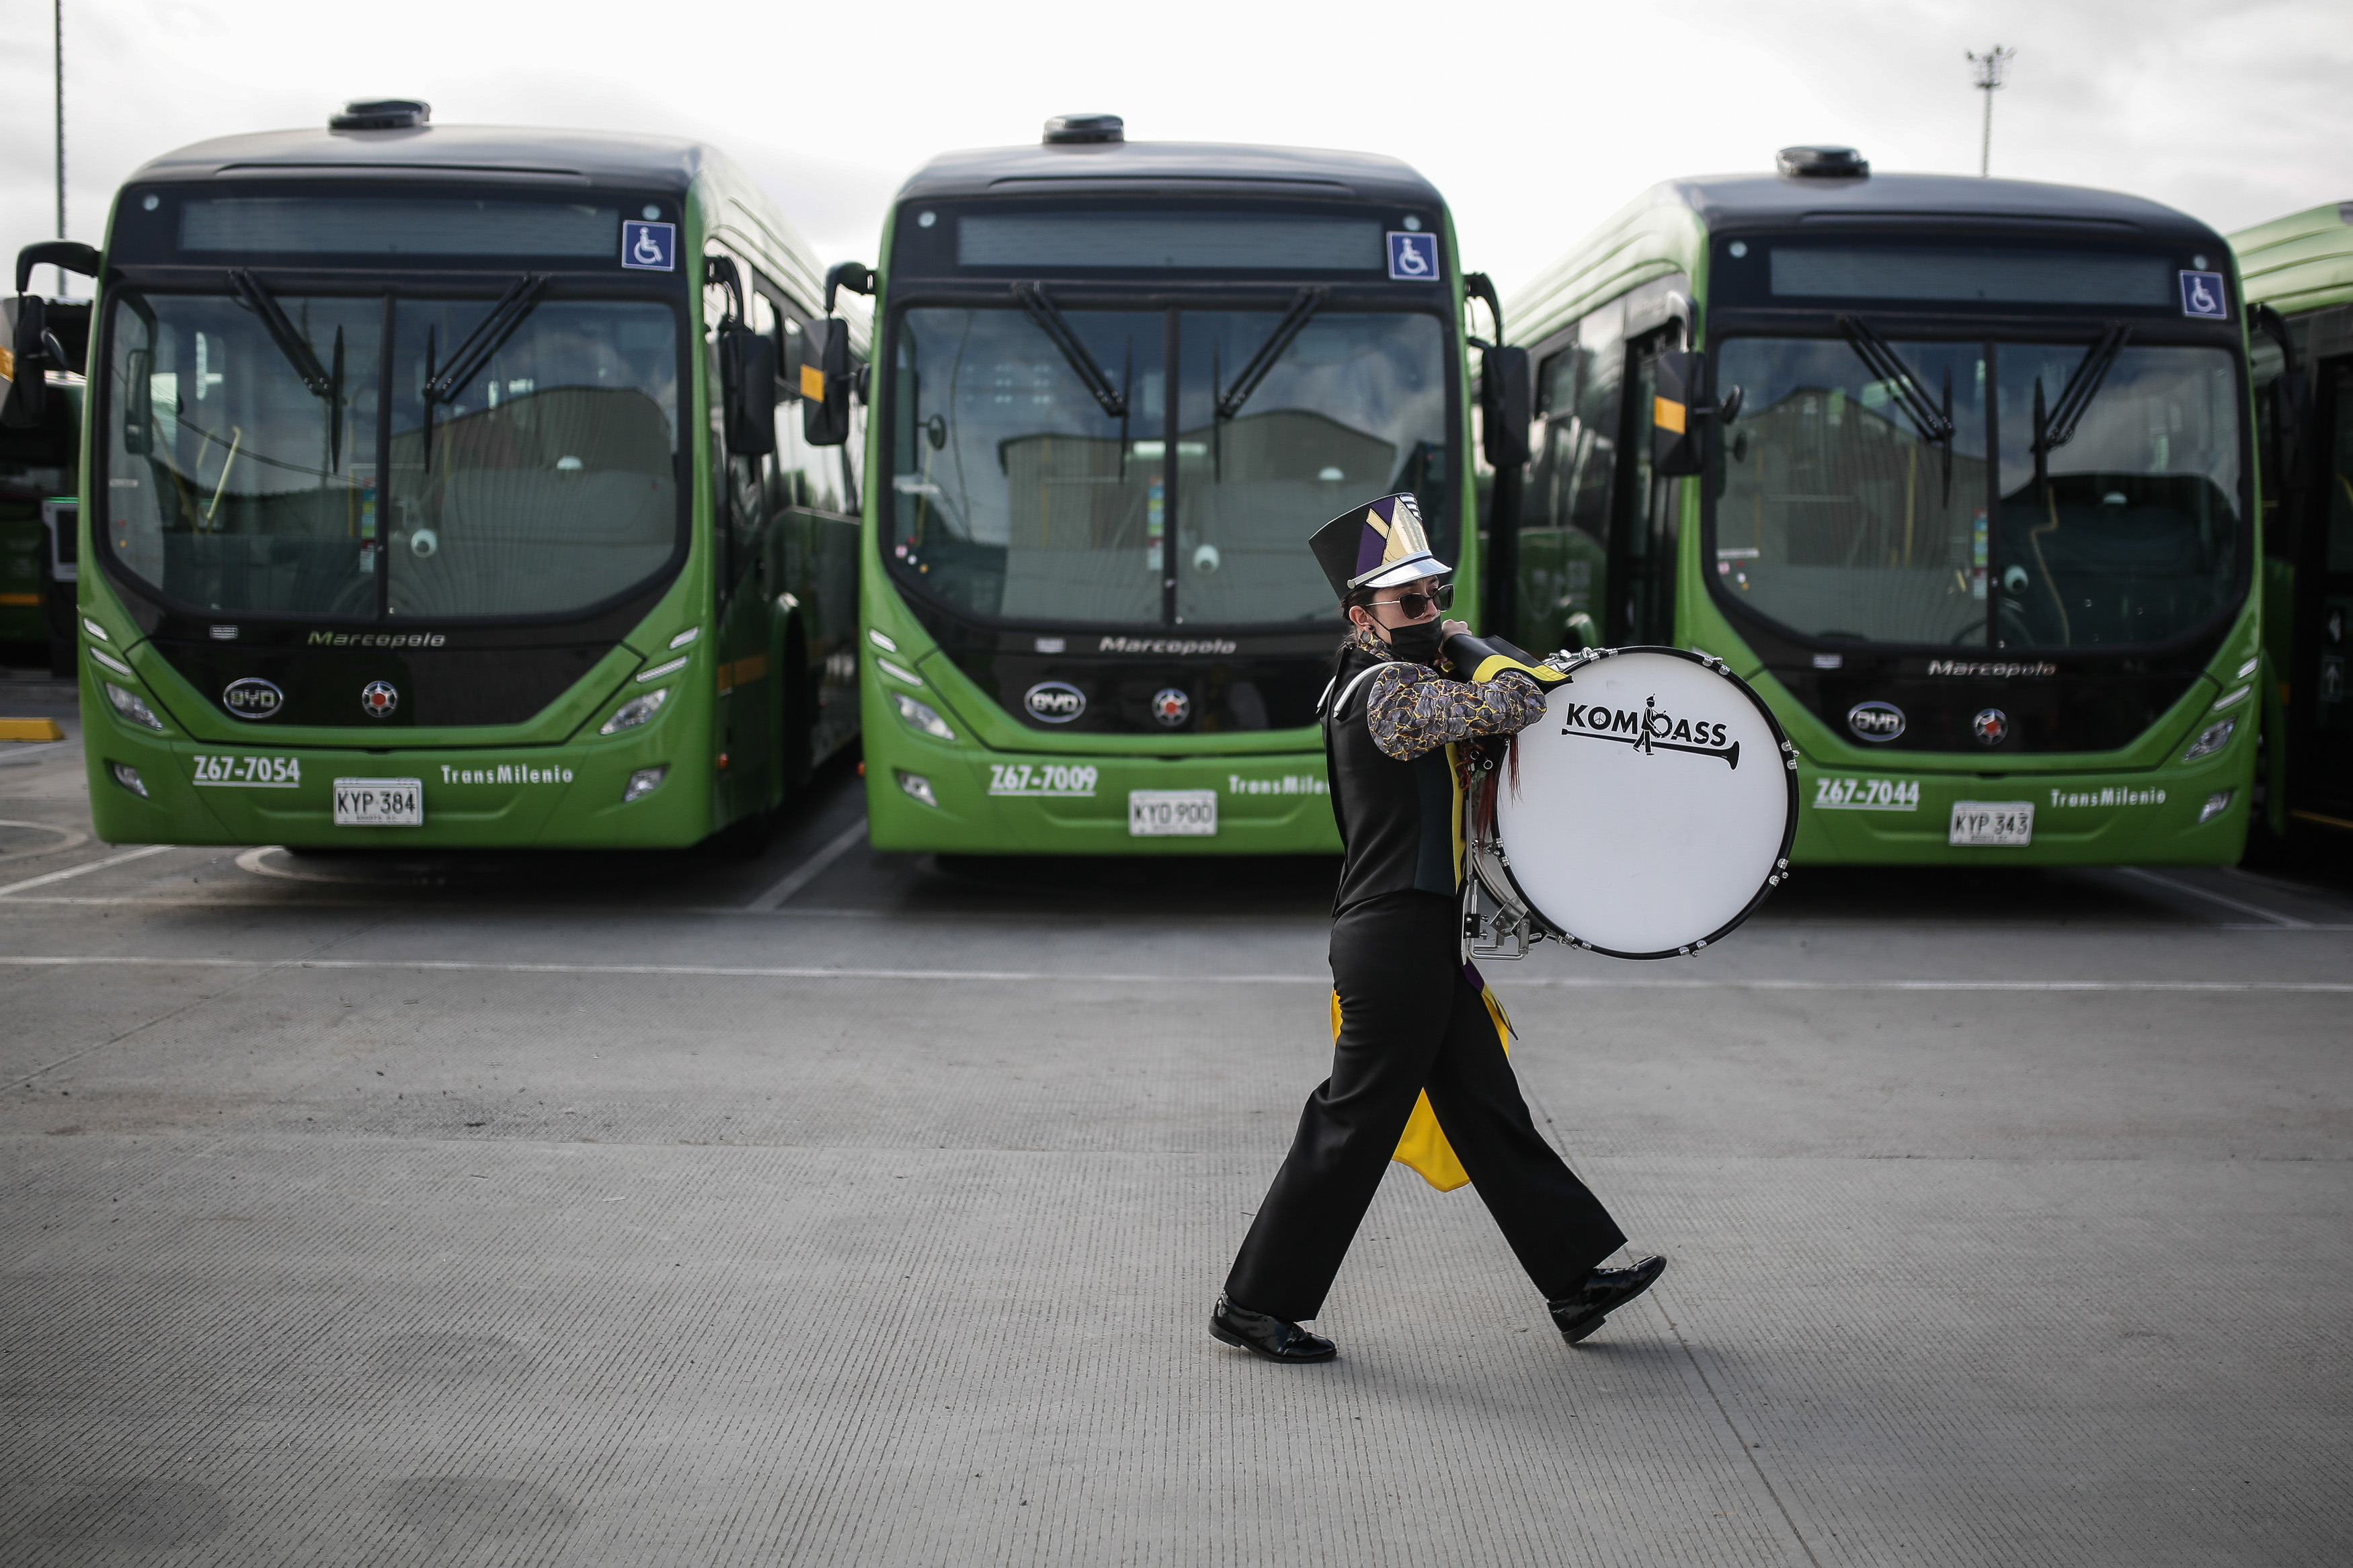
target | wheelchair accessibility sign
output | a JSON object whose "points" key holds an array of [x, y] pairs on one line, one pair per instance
{"points": [[1413, 257], [649, 247], [2201, 295]]}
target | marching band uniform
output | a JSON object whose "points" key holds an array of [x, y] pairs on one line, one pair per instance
{"points": [[1412, 1018]]}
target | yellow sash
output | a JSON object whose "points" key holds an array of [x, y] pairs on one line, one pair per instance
{"points": [[1423, 1145]]}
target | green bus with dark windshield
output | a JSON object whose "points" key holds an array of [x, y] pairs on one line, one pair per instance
{"points": [[458, 487], [1116, 386], [1956, 472], [2299, 272]]}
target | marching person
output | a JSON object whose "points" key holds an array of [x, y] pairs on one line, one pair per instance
{"points": [[1411, 1015]]}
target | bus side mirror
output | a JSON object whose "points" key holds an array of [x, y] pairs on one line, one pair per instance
{"points": [[28, 344], [2287, 402], [825, 382], [1676, 412], [854, 276], [747, 375], [1505, 407], [23, 326]]}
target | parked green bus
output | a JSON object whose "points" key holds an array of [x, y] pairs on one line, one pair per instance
{"points": [[451, 486], [1117, 385], [2299, 272], [1956, 472]]}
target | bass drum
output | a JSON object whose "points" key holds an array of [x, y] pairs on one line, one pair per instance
{"points": [[1652, 806]]}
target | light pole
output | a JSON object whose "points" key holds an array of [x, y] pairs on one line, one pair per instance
{"points": [[57, 16], [1989, 66]]}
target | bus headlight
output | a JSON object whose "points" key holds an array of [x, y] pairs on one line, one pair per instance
{"points": [[2210, 742], [635, 711], [919, 717], [127, 703], [920, 788], [2216, 804], [127, 777], [643, 783]]}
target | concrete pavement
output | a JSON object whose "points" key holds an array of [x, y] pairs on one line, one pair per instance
{"points": [[578, 1209]]}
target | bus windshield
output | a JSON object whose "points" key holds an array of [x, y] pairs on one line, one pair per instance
{"points": [[1843, 515], [1024, 488], [252, 468]]}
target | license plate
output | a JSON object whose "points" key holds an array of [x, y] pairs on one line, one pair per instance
{"points": [[1172, 813], [379, 802], [2005, 823]]}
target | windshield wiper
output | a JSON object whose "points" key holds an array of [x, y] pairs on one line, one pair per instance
{"points": [[2081, 388], [1057, 327], [1911, 393], [1934, 424], [321, 383], [1309, 301], [466, 361]]}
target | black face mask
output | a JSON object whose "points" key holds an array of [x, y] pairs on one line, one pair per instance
{"points": [[1419, 642]]}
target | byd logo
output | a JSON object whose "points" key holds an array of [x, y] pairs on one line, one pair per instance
{"points": [[1876, 722], [252, 697], [1055, 701]]}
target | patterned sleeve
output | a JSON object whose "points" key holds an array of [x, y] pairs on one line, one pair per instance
{"points": [[1412, 710]]}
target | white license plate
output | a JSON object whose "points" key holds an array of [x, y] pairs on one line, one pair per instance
{"points": [[379, 802], [2005, 823], [1172, 813]]}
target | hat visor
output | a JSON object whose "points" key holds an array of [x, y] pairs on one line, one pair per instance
{"points": [[1411, 569]]}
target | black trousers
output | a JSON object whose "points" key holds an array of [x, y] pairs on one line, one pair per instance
{"points": [[1410, 1020]]}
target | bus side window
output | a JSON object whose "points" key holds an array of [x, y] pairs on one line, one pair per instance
{"points": [[790, 482], [1565, 514], [814, 477]]}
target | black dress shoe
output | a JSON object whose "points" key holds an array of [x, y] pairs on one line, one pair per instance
{"points": [[1606, 1290], [1270, 1339]]}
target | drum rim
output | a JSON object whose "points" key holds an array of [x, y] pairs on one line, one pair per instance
{"points": [[1789, 830]]}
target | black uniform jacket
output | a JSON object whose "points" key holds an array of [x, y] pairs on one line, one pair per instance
{"points": [[1385, 739]]}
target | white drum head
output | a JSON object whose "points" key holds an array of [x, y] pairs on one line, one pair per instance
{"points": [[1655, 800]]}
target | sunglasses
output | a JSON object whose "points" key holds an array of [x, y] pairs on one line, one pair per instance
{"points": [[1417, 606]]}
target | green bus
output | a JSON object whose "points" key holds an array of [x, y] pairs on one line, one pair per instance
{"points": [[1117, 385], [1956, 472], [2299, 272], [458, 487]]}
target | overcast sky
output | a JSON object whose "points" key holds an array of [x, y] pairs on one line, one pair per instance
{"points": [[1535, 121]]}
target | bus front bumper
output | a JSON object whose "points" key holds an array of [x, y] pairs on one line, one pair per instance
{"points": [[953, 800], [551, 797], [2185, 815]]}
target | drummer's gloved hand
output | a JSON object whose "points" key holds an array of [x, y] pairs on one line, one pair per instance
{"points": [[1483, 658]]}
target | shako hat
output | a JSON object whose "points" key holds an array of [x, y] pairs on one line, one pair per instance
{"points": [[1376, 546]]}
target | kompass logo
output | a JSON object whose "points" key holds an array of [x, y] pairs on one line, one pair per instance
{"points": [[1650, 729]]}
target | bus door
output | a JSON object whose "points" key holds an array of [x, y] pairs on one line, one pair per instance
{"points": [[1644, 510], [745, 730], [1562, 563], [2320, 680], [813, 496]]}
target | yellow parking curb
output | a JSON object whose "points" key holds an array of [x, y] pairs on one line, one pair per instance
{"points": [[30, 730]]}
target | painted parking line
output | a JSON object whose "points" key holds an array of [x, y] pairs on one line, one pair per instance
{"points": [[2285, 923], [140, 854], [808, 871], [1042, 976]]}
